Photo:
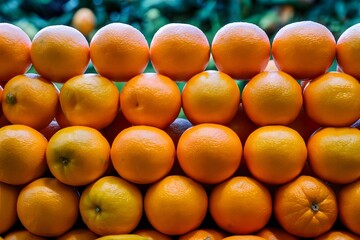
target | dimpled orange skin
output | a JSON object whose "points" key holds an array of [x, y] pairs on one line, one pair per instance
{"points": [[304, 49], [275, 233], [8, 198], [179, 51], [338, 235], [241, 50]]}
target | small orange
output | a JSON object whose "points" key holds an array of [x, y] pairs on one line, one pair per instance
{"points": [[47, 207], [333, 99], [175, 205], [89, 100], [22, 235], [272, 98], [78, 155], [152, 234], [30, 100], [241, 50], [273, 233], [59, 53], [210, 97], [115, 127], [111, 206], [275, 154], [304, 49], [179, 51], [22, 154], [338, 235], [198, 234], [305, 207], [334, 154], [119, 51], [84, 20], [15, 47], [349, 208], [177, 128], [240, 205], [142, 154], [209, 153], [150, 99], [347, 51], [78, 234], [8, 199], [243, 237]]}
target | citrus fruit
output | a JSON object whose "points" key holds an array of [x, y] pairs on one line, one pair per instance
{"points": [[243, 237], [152, 234], [22, 235], [59, 52], [175, 205], [84, 20], [8, 199], [142, 154], [272, 98], [150, 99], [47, 207], [210, 97], [273, 233], [119, 51], [209, 153], [197, 234], [338, 235], [179, 51], [78, 234], [241, 50]]}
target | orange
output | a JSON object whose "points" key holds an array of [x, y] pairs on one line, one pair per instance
{"points": [[240, 205], [275, 154], [210, 97], [198, 234], [152, 234], [333, 99], [305, 207], [334, 154], [241, 50], [111, 206], [22, 154], [47, 207], [115, 127], [175, 205], [119, 51], [150, 99], [179, 51], [78, 155], [338, 235], [142, 154], [349, 209], [272, 98], [177, 128], [273, 233], [8, 198], [304, 49], [78, 234], [209, 153], [244, 237], [347, 51], [61, 119], [304, 125], [15, 47], [84, 20], [22, 235], [50, 129], [89, 100], [30, 100], [59, 53]]}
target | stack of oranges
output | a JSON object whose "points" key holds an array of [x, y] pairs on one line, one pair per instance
{"points": [[278, 159]]}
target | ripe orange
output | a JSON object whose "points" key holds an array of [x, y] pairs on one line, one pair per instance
{"points": [[275, 154], [22, 235], [272, 98], [15, 47], [209, 153], [273, 233], [175, 205], [210, 97], [78, 234], [47, 207], [241, 50], [111, 206], [347, 51], [304, 49], [179, 51], [198, 234], [333, 99], [349, 208], [119, 51], [305, 207], [89, 100], [177, 128], [334, 154], [84, 20], [8, 198], [30, 100], [150, 99], [240, 205], [244, 237], [115, 127], [152, 234], [78, 155], [142, 154], [59, 53], [338, 235], [22, 154]]}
